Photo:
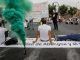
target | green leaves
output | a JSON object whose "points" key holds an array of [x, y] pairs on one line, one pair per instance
{"points": [[63, 9], [72, 11], [51, 8], [67, 10]]}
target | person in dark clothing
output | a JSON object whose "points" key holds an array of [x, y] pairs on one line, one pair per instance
{"points": [[30, 25], [54, 19], [3, 23]]}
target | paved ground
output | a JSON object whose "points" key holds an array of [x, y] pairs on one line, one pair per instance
{"points": [[63, 29], [44, 54]]}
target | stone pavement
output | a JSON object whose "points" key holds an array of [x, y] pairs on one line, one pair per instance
{"points": [[44, 54]]}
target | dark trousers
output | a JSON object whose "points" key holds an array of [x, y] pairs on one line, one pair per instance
{"points": [[55, 25]]}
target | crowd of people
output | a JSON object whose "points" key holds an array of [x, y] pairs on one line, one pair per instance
{"points": [[43, 31], [72, 21]]}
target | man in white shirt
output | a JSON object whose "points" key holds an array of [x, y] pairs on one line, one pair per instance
{"points": [[25, 23], [44, 32], [2, 34]]}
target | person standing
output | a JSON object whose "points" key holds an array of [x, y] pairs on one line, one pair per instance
{"points": [[3, 34], [44, 32], [25, 23], [31, 23], [54, 19]]}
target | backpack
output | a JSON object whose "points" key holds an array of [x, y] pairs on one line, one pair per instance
{"points": [[11, 41]]}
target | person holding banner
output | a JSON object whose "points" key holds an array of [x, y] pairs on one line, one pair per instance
{"points": [[44, 32]]}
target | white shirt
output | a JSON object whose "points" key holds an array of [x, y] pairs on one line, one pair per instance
{"points": [[2, 34], [44, 29], [25, 24]]}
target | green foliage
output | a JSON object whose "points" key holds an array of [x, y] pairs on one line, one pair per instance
{"points": [[63, 9], [51, 8], [72, 11]]}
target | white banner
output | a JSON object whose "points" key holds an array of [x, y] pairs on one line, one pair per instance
{"points": [[40, 44]]}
